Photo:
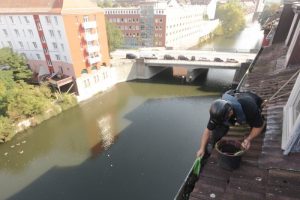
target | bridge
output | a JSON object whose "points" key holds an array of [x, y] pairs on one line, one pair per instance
{"points": [[190, 69], [191, 64]]}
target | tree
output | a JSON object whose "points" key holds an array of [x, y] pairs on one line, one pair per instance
{"points": [[6, 86], [27, 101], [269, 10], [115, 36], [105, 3], [232, 18], [17, 64]]}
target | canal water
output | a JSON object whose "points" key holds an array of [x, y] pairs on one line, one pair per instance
{"points": [[249, 38], [136, 141]]}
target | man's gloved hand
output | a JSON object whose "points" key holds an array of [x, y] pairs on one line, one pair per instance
{"points": [[246, 144]]}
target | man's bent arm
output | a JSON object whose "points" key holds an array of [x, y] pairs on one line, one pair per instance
{"points": [[253, 134], [204, 141]]}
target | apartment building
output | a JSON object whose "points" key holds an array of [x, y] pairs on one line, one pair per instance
{"points": [[163, 24], [64, 39]]}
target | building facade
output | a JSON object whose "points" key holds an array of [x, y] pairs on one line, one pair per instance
{"points": [[65, 39], [163, 24]]}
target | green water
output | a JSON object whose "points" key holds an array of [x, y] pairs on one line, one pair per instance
{"points": [[136, 141]]}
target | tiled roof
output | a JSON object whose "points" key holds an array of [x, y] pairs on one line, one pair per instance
{"points": [[80, 7], [47, 6], [264, 172], [28, 6]]}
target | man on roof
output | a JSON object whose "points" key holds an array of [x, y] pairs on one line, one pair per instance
{"points": [[232, 109]]}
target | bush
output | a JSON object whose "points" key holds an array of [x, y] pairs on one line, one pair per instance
{"points": [[6, 128], [27, 101], [66, 101]]}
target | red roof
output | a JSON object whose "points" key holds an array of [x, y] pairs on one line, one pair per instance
{"points": [[29, 6], [47, 6]]}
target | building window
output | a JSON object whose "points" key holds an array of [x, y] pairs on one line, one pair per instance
{"points": [[48, 20], [62, 47], [86, 83], [43, 39], [20, 19], [49, 62], [30, 32], [39, 26], [65, 57], [61, 69], [46, 51], [55, 19], [17, 33], [59, 34], [21, 45], [57, 57], [34, 44], [291, 119], [85, 18], [11, 19], [96, 78], [26, 19], [10, 44], [5, 32], [54, 45], [24, 56], [38, 56], [51, 33]]}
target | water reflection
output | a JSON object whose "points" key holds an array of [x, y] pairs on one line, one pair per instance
{"points": [[249, 38], [106, 131]]}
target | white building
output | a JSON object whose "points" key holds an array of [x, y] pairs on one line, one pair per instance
{"points": [[163, 24], [65, 39]]}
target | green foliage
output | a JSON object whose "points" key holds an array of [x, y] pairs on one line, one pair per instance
{"points": [[27, 101], [105, 3], [205, 17], [17, 64], [232, 18], [115, 36], [20, 100], [6, 85], [6, 128], [66, 101], [268, 11]]}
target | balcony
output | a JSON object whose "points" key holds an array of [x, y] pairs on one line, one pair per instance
{"points": [[91, 37], [90, 24], [94, 60], [92, 48], [59, 80]]}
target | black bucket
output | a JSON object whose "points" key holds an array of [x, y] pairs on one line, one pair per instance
{"points": [[230, 154]]}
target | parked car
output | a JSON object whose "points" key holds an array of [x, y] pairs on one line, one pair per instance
{"points": [[147, 55], [193, 58], [130, 56], [182, 57], [231, 60], [249, 61], [168, 57], [203, 59], [218, 59]]}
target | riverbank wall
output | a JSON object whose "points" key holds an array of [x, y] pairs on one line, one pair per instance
{"points": [[121, 70]]}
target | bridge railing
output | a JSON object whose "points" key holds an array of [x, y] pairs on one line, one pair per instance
{"points": [[230, 50]]}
